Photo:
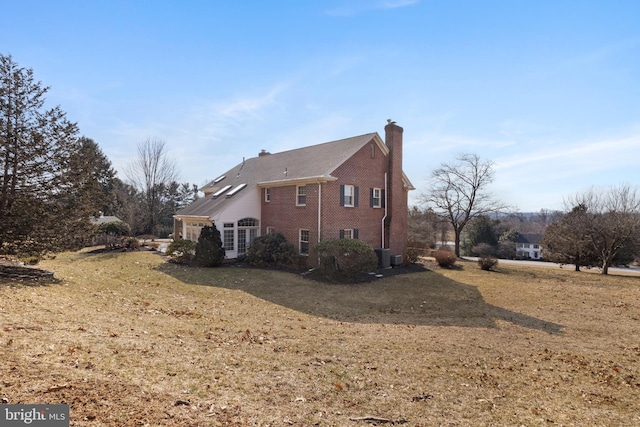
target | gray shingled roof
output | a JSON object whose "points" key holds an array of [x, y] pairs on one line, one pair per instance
{"points": [[531, 238], [316, 161]]}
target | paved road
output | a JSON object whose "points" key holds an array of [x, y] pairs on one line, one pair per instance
{"points": [[612, 270]]}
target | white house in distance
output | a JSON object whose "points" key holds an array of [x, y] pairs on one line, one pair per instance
{"points": [[528, 246]]}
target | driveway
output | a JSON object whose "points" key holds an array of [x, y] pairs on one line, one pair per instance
{"points": [[612, 270]]}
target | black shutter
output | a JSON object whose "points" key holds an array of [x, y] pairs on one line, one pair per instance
{"points": [[341, 194], [356, 233], [383, 200], [371, 198], [356, 193], [342, 234]]}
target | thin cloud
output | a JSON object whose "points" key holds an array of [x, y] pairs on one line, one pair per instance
{"points": [[355, 7]]}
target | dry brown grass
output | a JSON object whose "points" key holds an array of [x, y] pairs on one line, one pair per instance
{"points": [[128, 340]]}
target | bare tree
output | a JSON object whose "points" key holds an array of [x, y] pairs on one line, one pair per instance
{"points": [[613, 224], [151, 172], [458, 192]]}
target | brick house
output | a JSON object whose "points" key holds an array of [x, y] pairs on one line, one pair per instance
{"points": [[350, 188]]}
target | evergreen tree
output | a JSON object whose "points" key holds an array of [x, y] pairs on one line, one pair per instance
{"points": [[209, 250], [46, 187]]}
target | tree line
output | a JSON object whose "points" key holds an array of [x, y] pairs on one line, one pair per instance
{"points": [[53, 180], [599, 227]]}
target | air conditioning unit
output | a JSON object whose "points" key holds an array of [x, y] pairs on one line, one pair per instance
{"points": [[395, 260], [383, 257]]}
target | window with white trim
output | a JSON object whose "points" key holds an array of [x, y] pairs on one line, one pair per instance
{"points": [[267, 195], [376, 197], [229, 237], [271, 230], [304, 242], [349, 196], [301, 195]]}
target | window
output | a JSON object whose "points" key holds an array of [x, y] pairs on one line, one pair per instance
{"points": [[304, 242], [271, 230], [301, 199], [229, 237], [349, 233], [248, 222], [376, 197], [348, 195], [193, 230], [373, 151], [536, 246], [267, 195]]}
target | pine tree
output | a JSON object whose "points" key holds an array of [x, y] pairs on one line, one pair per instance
{"points": [[45, 178]]}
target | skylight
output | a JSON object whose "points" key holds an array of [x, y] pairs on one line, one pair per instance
{"points": [[222, 191], [235, 190], [218, 179]]}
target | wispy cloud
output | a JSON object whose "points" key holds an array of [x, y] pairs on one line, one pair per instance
{"points": [[355, 7]]}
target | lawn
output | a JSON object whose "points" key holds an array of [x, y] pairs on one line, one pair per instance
{"points": [[129, 340]]}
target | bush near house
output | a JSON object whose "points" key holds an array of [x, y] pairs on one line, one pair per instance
{"points": [[182, 251], [348, 258], [273, 250]]}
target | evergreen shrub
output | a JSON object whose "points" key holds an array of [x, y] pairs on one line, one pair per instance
{"points": [[273, 250], [209, 249], [182, 251], [349, 258]]}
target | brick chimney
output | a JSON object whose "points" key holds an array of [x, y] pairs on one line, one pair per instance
{"points": [[397, 194]]}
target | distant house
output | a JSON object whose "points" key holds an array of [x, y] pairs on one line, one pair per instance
{"points": [[352, 188], [107, 238], [528, 246]]}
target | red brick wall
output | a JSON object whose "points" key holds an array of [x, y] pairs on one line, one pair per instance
{"points": [[362, 170]]}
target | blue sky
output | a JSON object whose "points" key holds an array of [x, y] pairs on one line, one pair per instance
{"points": [[548, 90]]}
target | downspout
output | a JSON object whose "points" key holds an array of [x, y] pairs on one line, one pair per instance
{"points": [[319, 213], [319, 208], [386, 203]]}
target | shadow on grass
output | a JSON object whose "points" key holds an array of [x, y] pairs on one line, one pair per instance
{"points": [[417, 298]]}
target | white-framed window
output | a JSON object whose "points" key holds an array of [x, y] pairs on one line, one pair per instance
{"points": [[376, 197], [271, 230], [301, 195], [193, 229], [304, 242], [536, 246], [267, 195], [229, 236], [348, 195]]}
